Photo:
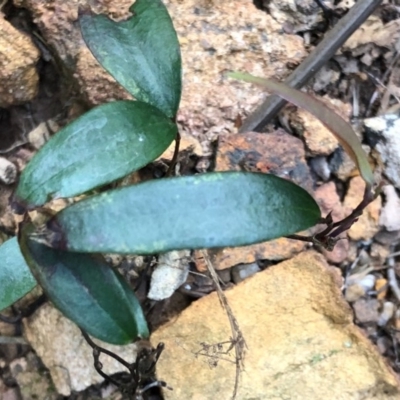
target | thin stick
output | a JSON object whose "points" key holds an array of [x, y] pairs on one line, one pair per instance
{"points": [[12, 340], [326, 49], [237, 336], [174, 160]]}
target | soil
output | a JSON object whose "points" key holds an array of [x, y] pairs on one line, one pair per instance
{"points": [[60, 102]]}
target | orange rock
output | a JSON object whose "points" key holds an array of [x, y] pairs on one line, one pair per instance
{"points": [[381, 283], [275, 250], [367, 225], [301, 342]]}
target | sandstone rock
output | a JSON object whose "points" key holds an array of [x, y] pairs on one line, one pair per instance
{"points": [[282, 312], [318, 138], [367, 225], [62, 349], [215, 37], [18, 56], [274, 250]]}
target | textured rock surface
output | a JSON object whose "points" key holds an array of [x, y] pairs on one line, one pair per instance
{"points": [[294, 15], [282, 313], [215, 37], [329, 201], [274, 250], [382, 134], [170, 273], [319, 140], [267, 153], [18, 56], [34, 383], [368, 224], [63, 350]]}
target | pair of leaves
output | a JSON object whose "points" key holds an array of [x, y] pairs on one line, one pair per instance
{"points": [[103, 145]]}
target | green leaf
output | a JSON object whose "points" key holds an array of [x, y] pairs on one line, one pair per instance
{"points": [[16, 279], [87, 291], [334, 122], [141, 53], [203, 211], [103, 145]]}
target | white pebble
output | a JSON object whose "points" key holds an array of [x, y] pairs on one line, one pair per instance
{"points": [[386, 314], [8, 171]]}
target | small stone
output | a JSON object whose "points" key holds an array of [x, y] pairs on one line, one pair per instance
{"points": [[366, 310], [39, 136], [381, 287], [321, 167], [224, 275], [386, 313], [301, 16], [69, 359], [243, 271], [19, 80], [171, 272], [8, 171], [382, 134], [386, 238], [354, 292], [390, 214], [379, 253], [368, 282], [368, 223], [341, 165]]}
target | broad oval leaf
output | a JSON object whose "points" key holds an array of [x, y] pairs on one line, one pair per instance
{"points": [[87, 291], [103, 145], [204, 211], [141, 53], [16, 279], [334, 122]]}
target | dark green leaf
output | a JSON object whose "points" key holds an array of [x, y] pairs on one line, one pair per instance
{"points": [[203, 211], [87, 291], [16, 279], [333, 121], [103, 145], [142, 53]]}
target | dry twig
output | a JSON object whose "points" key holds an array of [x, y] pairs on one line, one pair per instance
{"points": [[238, 340]]}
